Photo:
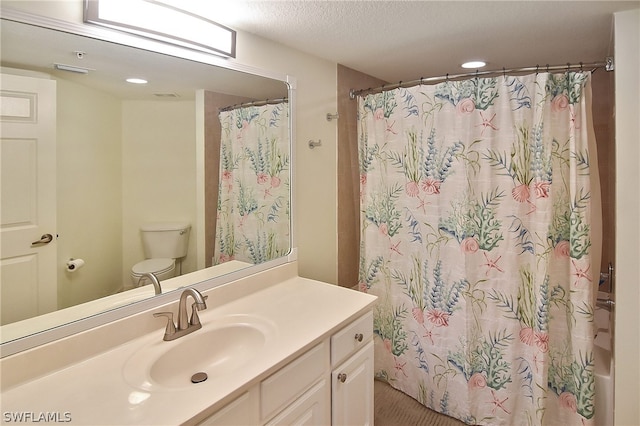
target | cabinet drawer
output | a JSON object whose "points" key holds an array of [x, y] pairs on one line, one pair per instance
{"points": [[351, 338], [280, 389]]}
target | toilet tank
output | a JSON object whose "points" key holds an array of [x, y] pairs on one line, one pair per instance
{"points": [[166, 239]]}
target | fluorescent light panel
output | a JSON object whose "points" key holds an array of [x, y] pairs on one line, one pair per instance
{"points": [[162, 22]]}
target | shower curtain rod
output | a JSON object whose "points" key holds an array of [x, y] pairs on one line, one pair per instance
{"points": [[607, 65], [255, 103]]}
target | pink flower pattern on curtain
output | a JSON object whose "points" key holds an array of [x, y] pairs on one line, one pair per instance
{"points": [[476, 234], [253, 217]]}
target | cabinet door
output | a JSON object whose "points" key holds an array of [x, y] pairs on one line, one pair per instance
{"points": [[282, 388], [352, 389], [312, 408], [241, 411]]}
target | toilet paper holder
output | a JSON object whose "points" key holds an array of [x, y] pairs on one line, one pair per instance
{"points": [[74, 264]]}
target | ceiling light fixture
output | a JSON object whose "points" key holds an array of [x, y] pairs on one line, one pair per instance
{"points": [[164, 22], [135, 80], [474, 64], [72, 68]]}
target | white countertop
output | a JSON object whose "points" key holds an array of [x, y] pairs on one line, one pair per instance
{"points": [[301, 312]]}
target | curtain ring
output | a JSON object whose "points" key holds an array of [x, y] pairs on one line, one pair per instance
{"points": [[581, 69], [447, 78], [421, 78], [537, 68], [547, 67], [504, 72]]}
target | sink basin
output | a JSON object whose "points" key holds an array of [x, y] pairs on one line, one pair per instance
{"points": [[218, 349]]}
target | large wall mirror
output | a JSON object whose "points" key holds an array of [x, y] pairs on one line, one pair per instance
{"points": [[123, 160]]}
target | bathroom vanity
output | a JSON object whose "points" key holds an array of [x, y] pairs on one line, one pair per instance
{"points": [[332, 383], [276, 349]]}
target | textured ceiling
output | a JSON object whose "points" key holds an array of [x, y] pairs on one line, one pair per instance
{"points": [[404, 40], [391, 40]]}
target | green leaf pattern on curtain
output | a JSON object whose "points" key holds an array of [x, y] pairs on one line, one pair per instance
{"points": [[253, 217], [475, 235]]}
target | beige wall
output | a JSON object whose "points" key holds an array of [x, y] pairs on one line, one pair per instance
{"points": [[120, 165], [158, 173], [627, 310], [88, 192]]}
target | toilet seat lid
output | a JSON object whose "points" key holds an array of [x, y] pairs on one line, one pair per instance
{"points": [[156, 266]]}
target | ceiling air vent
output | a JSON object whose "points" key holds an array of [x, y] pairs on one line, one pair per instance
{"points": [[166, 95], [72, 68]]}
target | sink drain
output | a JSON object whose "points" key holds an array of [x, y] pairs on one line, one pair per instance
{"points": [[199, 377]]}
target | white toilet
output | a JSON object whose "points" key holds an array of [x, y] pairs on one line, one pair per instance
{"points": [[163, 244]]}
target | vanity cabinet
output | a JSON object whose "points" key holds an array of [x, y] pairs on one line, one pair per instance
{"points": [[352, 373], [332, 383], [304, 357]]}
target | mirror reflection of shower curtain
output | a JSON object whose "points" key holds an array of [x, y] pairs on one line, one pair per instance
{"points": [[253, 203]]}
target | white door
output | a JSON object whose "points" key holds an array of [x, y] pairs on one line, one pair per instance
{"points": [[28, 281]]}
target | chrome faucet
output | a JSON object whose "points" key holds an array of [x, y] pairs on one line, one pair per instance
{"points": [[154, 280], [185, 326]]}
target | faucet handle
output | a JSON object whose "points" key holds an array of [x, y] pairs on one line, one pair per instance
{"points": [[195, 307], [171, 327], [195, 319]]}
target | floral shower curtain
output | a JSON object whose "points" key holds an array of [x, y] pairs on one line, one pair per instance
{"points": [[253, 214], [476, 234]]}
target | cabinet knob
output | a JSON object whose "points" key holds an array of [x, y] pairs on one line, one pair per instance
{"points": [[359, 337], [342, 377]]}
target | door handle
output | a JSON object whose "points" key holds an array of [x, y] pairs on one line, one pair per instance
{"points": [[45, 239]]}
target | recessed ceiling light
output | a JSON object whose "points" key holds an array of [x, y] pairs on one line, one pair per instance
{"points": [[474, 64], [137, 80]]}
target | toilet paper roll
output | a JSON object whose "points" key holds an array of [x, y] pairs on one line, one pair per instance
{"points": [[74, 264]]}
